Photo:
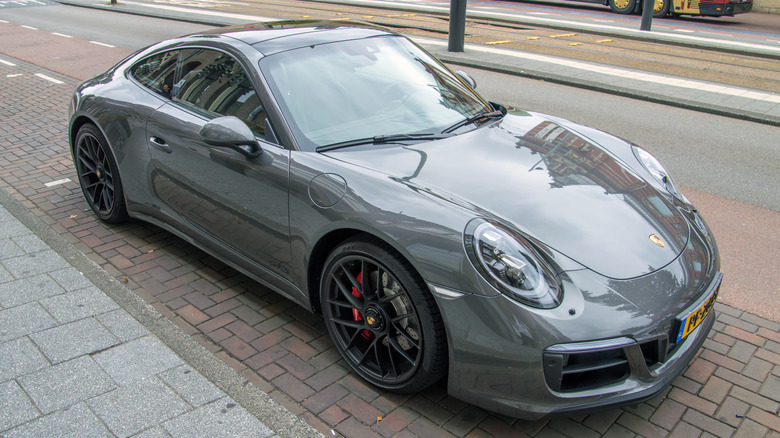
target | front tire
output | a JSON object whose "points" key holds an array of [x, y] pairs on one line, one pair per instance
{"points": [[99, 175], [623, 7], [382, 318]]}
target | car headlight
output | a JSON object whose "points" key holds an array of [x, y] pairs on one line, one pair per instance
{"points": [[509, 263], [659, 172]]}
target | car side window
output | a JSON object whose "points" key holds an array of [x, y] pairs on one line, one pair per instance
{"points": [[215, 84], [157, 72]]}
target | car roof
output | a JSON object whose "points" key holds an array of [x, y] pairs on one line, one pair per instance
{"points": [[278, 36]]}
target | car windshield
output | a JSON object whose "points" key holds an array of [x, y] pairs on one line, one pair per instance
{"points": [[361, 89]]}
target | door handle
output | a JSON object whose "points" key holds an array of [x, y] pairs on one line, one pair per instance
{"points": [[160, 144]]}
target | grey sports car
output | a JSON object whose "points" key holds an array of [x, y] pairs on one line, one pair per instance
{"points": [[542, 266]]}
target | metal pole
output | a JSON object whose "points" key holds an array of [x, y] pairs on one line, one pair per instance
{"points": [[647, 14], [457, 25]]}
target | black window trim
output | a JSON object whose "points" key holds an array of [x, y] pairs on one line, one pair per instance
{"points": [[191, 109]]}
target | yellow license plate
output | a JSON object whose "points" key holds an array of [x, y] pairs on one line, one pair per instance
{"points": [[693, 319]]}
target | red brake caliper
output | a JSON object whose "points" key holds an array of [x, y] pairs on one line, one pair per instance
{"points": [[355, 313]]}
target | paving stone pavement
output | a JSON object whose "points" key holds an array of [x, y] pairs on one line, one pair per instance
{"points": [[731, 389], [75, 363]]}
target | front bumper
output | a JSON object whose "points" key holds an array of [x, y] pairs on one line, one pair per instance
{"points": [[724, 9], [506, 359]]}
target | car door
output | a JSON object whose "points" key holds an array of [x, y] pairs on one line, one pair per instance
{"points": [[219, 195]]}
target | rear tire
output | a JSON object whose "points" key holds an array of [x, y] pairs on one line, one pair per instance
{"points": [[623, 7], [382, 317], [661, 8], [99, 175]]}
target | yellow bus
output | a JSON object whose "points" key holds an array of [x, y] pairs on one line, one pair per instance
{"points": [[709, 8]]}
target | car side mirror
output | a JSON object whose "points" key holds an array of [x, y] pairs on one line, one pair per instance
{"points": [[231, 132], [467, 79]]}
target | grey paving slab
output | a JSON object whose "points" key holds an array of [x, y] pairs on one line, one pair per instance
{"points": [[22, 320], [15, 407], [153, 432], [761, 107], [137, 360], [5, 275], [70, 279], [75, 339], [30, 243], [79, 304], [68, 383], [35, 263], [19, 357], [125, 416], [122, 325], [5, 215], [191, 386], [28, 289], [12, 228], [221, 418], [73, 422], [9, 248]]}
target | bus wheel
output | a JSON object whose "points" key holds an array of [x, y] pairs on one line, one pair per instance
{"points": [[622, 6], [661, 8]]}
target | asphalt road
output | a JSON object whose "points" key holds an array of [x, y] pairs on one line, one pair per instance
{"points": [[729, 166], [115, 29]]}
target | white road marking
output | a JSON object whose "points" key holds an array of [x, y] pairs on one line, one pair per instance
{"points": [[584, 25], [621, 73], [50, 79], [61, 34], [101, 44], [13, 76], [10, 64], [29, 27], [196, 11], [58, 182]]}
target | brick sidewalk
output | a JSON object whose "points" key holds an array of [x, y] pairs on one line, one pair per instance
{"points": [[731, 389]]}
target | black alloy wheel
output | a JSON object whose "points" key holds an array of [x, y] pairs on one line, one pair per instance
{"points": [[382, 317], [98, 175]]}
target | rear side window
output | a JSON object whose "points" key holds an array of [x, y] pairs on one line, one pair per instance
{"points": [[157, 72], [215, 83]]}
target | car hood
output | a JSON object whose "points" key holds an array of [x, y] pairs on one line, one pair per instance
{"points": [[549, 182]]}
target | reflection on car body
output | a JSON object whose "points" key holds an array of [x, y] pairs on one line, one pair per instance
{"points": [[541, 266]]}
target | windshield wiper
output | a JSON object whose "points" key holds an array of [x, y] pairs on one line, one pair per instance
{"points": [[380, 139], [474, 118]]}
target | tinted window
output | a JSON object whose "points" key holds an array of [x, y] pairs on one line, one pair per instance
{"points": [[215, 84], [157, 72]]}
